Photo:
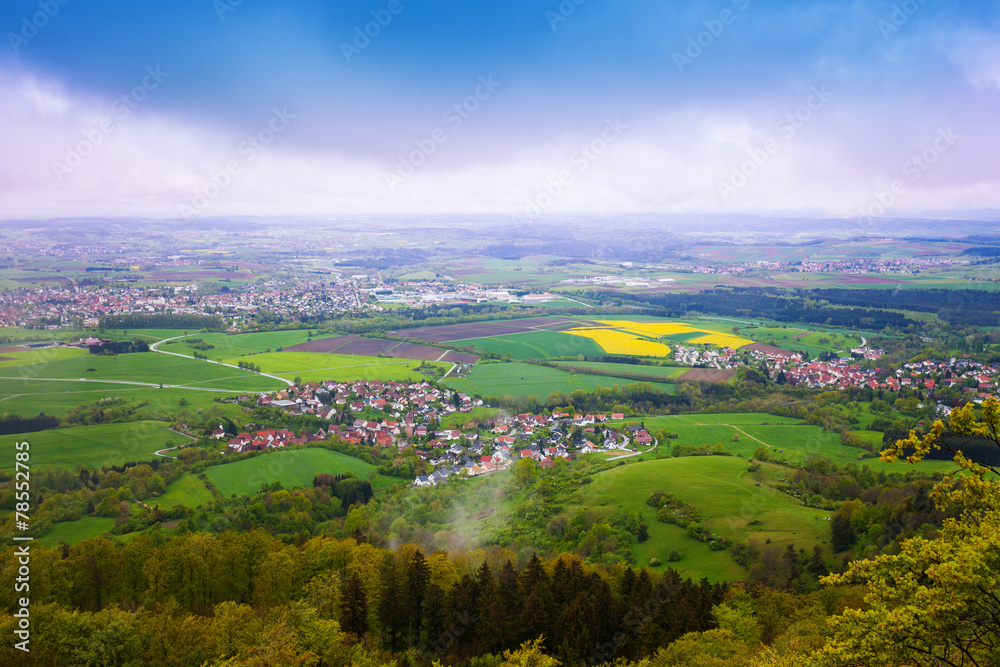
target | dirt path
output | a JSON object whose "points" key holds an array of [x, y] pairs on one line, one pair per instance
{"points": [[732, 426]]}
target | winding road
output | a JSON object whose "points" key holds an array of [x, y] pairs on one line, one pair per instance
{"points": [[155, 348]]}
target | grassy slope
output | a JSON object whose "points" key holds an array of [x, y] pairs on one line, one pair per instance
{"points": [[92, 446], [727, 498], [799, 441], [137, 367], [518, 379], [187, 490], [235, 345], [292, 468], [665, 372], [72, 532], [29, 397]]}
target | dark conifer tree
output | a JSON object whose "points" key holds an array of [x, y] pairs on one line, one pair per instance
{"points": [[354, 607]]}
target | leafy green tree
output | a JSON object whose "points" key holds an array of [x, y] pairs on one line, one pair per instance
{"points": [[935, 602]]}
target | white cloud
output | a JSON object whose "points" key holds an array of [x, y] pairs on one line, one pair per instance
{"points": [[151, 165]]}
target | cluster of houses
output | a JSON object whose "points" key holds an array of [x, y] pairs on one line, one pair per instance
{"points": [[975, 378], [409, 414], [267, 439], [66, 304], [541, 438]]}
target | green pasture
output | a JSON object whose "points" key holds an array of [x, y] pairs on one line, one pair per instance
{"points": [[519, 379], [291, 467], [730, 503], [228, 346], [92, 446], [72, 532], [186, 490], [665, 372], [142, 367]]}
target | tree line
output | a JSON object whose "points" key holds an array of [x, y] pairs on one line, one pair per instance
{"points": [[161, 321]]}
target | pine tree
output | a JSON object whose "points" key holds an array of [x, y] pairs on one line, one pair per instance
{"points": [[417, 578], [354, 607]]}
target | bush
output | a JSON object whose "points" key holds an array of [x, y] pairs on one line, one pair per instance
{"points": [[655, 562], [674, 556]]}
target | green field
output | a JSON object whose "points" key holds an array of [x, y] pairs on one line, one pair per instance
{"points": [[228, 346], [187, 490], [665, 372], [140, 367], [92, 446], [459, 419], [519, 379], [783, 437], [55, 380], [728, 500], [535, 345], [72, 532], [316, 366], [802, 340], [293, 467], [56, 398]]}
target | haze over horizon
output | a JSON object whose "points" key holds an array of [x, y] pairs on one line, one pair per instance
{"points": [[529, 109]]}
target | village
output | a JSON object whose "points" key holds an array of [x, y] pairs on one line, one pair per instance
{"points": [[400, 415], [83, 306]]}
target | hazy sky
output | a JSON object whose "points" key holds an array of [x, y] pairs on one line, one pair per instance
{"points": [[169, 108]]}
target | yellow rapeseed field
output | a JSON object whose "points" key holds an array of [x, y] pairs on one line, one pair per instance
{"points": [[630, 338], [613, 341], [721, 340]]}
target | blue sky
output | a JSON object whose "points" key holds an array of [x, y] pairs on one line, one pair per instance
{"points": [[702, 87]]}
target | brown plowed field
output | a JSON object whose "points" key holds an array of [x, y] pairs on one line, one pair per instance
{"points": [[449, 332], [708, 375], [372, 347]]}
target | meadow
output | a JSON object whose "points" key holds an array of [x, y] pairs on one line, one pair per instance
{"points": [[665, 372], [730, 503], [55, 380], [809, 340], [227, 346], [317, 366], [293, 468], [92, 446], [783, 437], [72, 532], [186, 490], [519, 379], [141, 367], [29, 397]]}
